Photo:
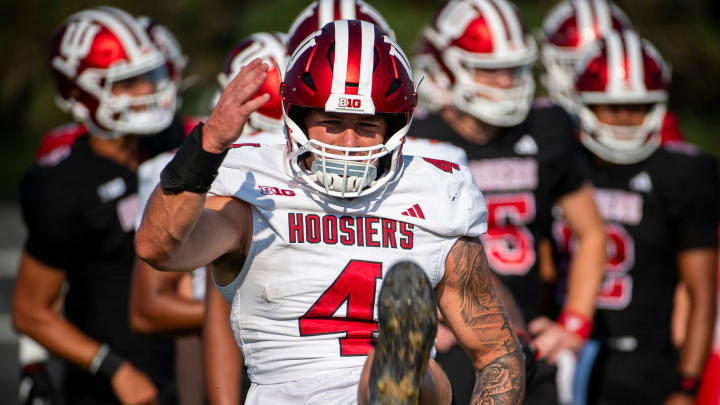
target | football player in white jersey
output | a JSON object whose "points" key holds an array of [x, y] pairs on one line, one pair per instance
{"points": [[302, 234]]}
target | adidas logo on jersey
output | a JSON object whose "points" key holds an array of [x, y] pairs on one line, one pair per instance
{"points": [[641, 183], [414, 212], [526, 146]]}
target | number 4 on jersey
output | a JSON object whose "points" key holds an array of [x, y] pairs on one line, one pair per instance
{"points": [[356, 286], [443, 165]]}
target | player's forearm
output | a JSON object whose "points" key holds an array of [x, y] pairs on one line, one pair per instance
{"points": [[167, 313], [501, 382], [586, 273], [167, 223], [223, 362], [698, 339], [56, 334]]}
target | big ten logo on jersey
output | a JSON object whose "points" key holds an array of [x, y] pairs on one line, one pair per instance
{"points": [[509, 244], [349, 102], [267, 190], [347, 230]]}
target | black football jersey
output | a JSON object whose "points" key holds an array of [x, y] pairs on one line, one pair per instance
{"points": [[80, 210], [522, 172], [653, 210]]}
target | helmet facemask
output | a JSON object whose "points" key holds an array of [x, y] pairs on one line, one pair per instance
{"points": [[622, 144], [119, 113]]}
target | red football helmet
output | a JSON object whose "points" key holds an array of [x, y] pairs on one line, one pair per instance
{"points": [[351, 67], [321, 12], [567, 30], [478, 34], [270, 47], [166, 42], [621, 68], [95, 53]]}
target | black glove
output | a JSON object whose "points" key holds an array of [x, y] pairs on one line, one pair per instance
{"points": [[36, 386]]}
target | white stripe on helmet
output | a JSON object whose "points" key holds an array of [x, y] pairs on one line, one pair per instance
{"points": [[516, 31], [603, 16], [347, 10], [635, 62], [614, 49], [366, 58], [342, 39], [497, 28], [584, 21], [326, 12]]}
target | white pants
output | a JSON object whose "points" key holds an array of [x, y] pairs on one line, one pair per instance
{"points": [[336, 387]]}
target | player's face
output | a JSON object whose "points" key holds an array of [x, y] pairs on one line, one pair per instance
{"points": [[141, 85], [346, 130], [504, 78], [621, 114]]}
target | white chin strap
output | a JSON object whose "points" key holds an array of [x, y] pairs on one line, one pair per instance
{"points": [[622, 144], [495, 106]]}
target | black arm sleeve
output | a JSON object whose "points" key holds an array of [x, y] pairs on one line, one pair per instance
{"points": [[51, 217]]}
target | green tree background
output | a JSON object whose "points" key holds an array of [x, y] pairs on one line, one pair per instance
{"points": [[687, 33]]}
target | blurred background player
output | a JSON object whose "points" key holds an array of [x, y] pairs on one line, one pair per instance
{"points": [[321, 12], [114, 82], [567, 31], [477, 58], [661, 207]]}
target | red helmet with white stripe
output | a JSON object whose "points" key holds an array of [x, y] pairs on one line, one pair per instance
{"points": [[622, 68], [479, 34], [166, 42], [95, 53], [354, 67], [567, 30], [321, 12], [270, 47]]}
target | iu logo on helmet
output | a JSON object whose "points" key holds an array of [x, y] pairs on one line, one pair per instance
{"points": [[349, 102]]}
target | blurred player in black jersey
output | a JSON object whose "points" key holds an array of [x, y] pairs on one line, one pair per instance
{"points": [[661, 206], [476, 58], [79, 202]]}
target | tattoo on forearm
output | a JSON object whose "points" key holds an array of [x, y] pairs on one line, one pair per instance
{"points": [[502, 381]]}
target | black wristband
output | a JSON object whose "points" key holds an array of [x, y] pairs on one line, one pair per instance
{"points": [[105, 362], [110, 364], [687, 385], [192, 168]]}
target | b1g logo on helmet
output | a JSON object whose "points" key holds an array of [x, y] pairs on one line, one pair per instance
{"points": [[349, 102], [354, 104]]}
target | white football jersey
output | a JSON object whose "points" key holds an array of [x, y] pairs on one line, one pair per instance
{"points": [[434, 149], [304, 301]]}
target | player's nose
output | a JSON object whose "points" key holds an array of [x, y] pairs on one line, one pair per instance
{"points": [[349, 137]]}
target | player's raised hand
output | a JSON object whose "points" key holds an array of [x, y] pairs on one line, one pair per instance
{"points": [[236, 103]]}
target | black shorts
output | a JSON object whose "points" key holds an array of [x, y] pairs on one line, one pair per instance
{"points": [[632, 377]]}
